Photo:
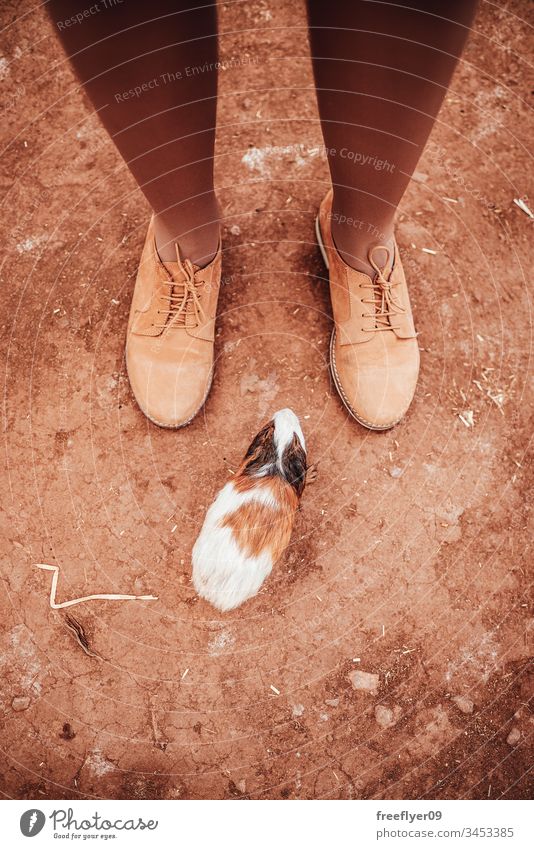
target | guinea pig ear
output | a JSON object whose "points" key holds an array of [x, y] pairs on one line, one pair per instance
{"points": [[294, 465], [261, 451]]}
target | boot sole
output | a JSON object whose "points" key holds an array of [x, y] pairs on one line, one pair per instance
{"points": [[332, 359]]}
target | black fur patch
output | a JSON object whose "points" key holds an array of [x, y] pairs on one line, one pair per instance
{"points": [[294, 465], [261, 451]]}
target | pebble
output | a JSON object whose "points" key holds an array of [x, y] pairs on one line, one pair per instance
{"points": [[367, 681], [396, 472], [331, 702], [514, 737], [177, 792], [384, 716], [20, 703], [235, 230], [464, 704], [298, 710]]}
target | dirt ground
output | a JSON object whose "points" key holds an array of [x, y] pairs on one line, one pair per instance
{"points": [[412, 553]]}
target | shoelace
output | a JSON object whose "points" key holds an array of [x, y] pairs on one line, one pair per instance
{"points": [[181, 294], [383, 300]]}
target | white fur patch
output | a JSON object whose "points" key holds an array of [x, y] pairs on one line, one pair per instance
{"points": [[286, 424], [222, 573]]}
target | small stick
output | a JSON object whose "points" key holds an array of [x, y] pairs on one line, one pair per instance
{"points": [[80, 635], [523, 207], [100, 597], [158, 741]]}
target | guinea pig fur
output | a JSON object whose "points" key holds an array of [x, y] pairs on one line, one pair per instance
{"points": [[249, 524]]}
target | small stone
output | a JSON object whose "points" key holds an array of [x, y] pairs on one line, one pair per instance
{"points": [[298, 710], [176, 792], [367, 681], [67, 732], [514, 737], [464, 704], [384, 716], [396, 472], [331, 702], [235, 230], [241, 786], [246, 103], [20, 703]]}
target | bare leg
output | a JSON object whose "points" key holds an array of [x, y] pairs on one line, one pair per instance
{"points": [[149, 68], [381, 73]]}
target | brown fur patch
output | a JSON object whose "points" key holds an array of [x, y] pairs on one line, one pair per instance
{"points": [[244, 483], [256, 526]]}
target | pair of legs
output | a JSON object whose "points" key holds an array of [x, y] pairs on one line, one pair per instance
{"points": [[381, 73]]}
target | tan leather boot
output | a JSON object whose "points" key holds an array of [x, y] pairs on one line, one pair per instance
{"points": [[374, 354], [169, 346]]}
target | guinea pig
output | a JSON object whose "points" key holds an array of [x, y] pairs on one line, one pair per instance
{"points": [[249, 524]]}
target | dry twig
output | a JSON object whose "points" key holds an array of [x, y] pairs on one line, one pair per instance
{"points": [[80, 636]]}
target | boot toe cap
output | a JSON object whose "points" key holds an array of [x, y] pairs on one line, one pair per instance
{"points": [[377, 391], [169, 391]]}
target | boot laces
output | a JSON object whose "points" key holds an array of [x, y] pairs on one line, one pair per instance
{"points": [[181, 295], [383, 300]]}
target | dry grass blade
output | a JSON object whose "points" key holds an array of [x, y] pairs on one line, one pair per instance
{"points": [[98, 597], [77, 629]]}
